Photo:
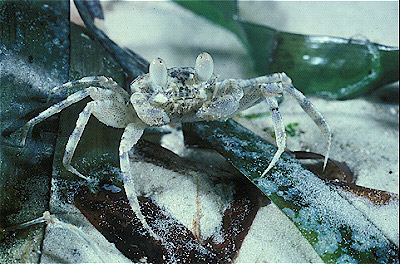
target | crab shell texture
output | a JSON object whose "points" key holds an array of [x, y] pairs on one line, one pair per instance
{"points": [[183, 94]]}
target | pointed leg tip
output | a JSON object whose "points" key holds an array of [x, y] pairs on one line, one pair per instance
{"points": [[84, 177], [326, 159], [75, 171], [21, 144], [267, 170], [325, 162]]}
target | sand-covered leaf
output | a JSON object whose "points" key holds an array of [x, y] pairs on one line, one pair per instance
{"points": [[34, 52], [334, 227]]}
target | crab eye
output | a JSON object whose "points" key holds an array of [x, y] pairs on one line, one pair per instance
{"points": [[158, 72], [204, 66]]}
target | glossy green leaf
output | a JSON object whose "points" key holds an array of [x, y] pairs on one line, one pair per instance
{"points": [[330, 67], [337, 230]]}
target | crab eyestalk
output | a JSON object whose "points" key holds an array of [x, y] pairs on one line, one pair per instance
{"points": [[158, 72], [204, 66]]}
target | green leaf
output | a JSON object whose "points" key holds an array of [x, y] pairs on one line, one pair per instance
{"points": [[39, 49], [330, 67], [335, 228], [34, 52]]}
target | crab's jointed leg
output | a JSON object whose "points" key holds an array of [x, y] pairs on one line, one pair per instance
{"points": [[266, 79], [276, 84], [76, 136], [109, 112], [101, 81], [56, 223], [76, 97], [279, 131], [131, 135], [256, 89], [315, 115], [94, 92]]}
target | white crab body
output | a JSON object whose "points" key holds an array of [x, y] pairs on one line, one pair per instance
{"points": [[179, 99], [174, 95]]}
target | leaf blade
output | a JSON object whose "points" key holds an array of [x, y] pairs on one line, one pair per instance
{"points": [[337, 231], [330, 67]]}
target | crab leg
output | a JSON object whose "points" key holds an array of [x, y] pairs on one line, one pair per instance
{"points": [[76, 97], [279, 131], [315, 115], [131, 135], [276, 84], [109, 112], [102, 81], [272, 78], [76, 136], [56, 223], [94, 92]]}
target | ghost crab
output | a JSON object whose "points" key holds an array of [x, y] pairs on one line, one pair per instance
{"points": [[173, 95]]}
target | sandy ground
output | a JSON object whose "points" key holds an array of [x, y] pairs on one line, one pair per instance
{"points": [[365, 130]]}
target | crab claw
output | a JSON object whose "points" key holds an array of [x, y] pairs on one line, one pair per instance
{"points": [[204, 66], [158, 72]]}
